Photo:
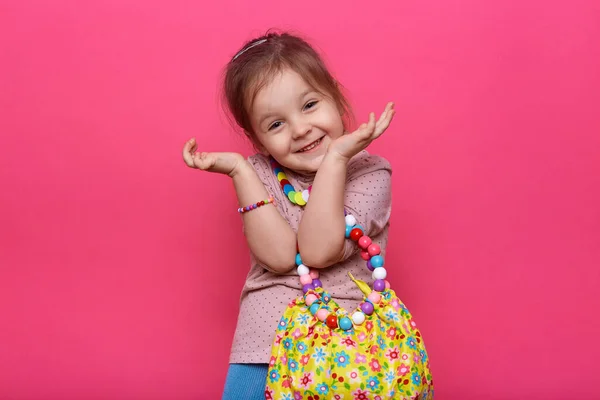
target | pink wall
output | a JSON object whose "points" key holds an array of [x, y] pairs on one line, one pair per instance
{"points": [[120, 269]]}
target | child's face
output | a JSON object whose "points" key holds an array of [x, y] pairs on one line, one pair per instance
{"points": [[294, 123]]}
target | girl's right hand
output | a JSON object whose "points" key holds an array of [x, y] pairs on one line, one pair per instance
{"points": [[223, 163]]}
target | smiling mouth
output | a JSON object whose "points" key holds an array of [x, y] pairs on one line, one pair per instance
{"points": [[310, 146]]}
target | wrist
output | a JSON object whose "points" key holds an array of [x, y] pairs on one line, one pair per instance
{"points": [[334, 158], [241, 169]]}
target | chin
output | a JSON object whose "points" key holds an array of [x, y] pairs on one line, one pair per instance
{"points": [[307, 163], [314, 164]]}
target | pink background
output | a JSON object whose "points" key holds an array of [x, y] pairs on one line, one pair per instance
{"points": [[120, 269]]}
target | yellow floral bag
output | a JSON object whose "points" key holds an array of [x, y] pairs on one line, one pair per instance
{"points": [[381, 357]]}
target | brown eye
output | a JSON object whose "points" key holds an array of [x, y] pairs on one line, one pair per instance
{"points": [[275, 125], [310, 105]]}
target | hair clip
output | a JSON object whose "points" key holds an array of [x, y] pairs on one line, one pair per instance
{"points": [[249, 47]]}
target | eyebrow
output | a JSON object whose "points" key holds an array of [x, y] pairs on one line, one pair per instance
{"points": [[269, 115]]}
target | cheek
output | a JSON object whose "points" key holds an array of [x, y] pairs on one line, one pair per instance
{"points": [[277, 144], [337, 129], [335, 123]]}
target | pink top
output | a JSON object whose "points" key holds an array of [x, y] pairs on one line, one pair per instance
{"points": [[266, 295]]}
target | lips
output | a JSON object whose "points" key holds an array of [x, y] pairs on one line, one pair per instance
{"points": [[310, 146]]}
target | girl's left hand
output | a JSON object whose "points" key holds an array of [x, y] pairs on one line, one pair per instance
{"points": [[348, 145]]}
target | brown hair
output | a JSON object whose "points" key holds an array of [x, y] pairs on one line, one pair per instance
{"points": [[262, 58]]}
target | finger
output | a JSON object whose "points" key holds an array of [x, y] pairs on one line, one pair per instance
{"points": [[187, 145], [386, 112], [204, 161], [187, 158], [369, 124], [199, 160], [365, 131], [190, 146], [389, 106], [386, 122], [190, 143], [187, 154], [383, 125], [372, 124]]}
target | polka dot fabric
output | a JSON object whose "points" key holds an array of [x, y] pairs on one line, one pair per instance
{"points": [[265, 295]]}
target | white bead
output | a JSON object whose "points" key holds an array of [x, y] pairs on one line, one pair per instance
{"points": [[358, 318], [379, 273], [350, 220], [302, 270], [305, 195]]}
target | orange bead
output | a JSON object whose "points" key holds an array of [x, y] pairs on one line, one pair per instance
{"points": [[331, 321]]}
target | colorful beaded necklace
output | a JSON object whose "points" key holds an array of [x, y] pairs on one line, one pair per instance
{"points": [[314, 297], [295, 197]]}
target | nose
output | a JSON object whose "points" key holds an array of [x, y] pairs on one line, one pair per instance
{"points": [[300, 128]]}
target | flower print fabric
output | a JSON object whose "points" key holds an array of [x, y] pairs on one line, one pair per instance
{"points": [[383, 358]]}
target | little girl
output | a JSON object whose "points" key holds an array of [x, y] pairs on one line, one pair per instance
{"points": [[279, 91]]}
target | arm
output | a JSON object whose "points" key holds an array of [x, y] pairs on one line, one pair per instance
{"points": [[270, 238], [321, 234], [321, 231]]}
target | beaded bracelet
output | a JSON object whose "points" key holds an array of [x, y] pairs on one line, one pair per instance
{"points": [[261, 203]]}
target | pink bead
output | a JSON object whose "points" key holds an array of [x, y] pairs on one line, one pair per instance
{"points": [[374, 297], [364, 242], [314, 273], [387, 285], [374, 249], [305, 279], [311, 298], [322, 314], [365, 256]]}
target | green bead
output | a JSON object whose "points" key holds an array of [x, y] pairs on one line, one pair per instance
{"points": [[292, 196]]}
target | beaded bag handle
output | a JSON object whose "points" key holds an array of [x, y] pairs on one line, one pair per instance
{"points": [[309, 278]]}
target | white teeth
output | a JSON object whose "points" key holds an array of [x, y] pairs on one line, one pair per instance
{"points": [[311, 146]]}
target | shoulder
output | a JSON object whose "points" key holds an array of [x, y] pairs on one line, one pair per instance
{"points": [[364, 163], [260, 163]]}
